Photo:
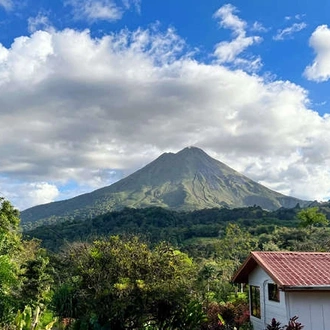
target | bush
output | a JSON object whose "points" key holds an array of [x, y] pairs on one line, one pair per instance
{"points": [[292, 325], [227, 316], [274, 325]]}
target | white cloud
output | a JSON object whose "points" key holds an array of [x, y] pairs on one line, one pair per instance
{"points": [[257, 26], [228, 51], [92, 10], [7, 4], [84, 110], [24, 194], [289, 31], [295, 17], [42, 193], [40, 22], [319, 70], [229, 20], [132, 3]]}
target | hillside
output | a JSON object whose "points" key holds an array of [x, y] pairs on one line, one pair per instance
{"points": [[187, 180], [158, 224]]}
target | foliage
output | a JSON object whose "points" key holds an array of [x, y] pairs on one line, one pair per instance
{"points": [[9, 225], [274, 325], [120, 282], [178, 228], [9, 247], [35, 319], [123, 282], [311, 217], [228, 315], [24, 284], [293, 324], [36, 279], [235, 245], [191, 316], [65, 302]]}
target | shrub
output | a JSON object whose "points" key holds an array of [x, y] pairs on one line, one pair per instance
{"points": [[227, 316], [293, 324], [274, 325]]}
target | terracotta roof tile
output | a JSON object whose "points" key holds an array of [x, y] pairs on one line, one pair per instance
{"points": [[290, 268]]}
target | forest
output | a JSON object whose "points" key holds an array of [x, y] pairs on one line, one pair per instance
{"points": [[147, 269]]}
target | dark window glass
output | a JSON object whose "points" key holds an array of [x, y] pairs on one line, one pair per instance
{"points": [[255, 301], [273, 292]]}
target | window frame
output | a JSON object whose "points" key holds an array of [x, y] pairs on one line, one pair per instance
{"points": [[273, 292], [255, 303]]}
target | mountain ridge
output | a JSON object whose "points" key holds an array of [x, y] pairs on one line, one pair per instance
{"points": [[187, 180]]}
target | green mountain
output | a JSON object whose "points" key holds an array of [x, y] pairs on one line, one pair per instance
{"points": [[187, 180]]}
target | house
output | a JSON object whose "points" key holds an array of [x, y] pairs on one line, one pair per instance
{"points": [[287, 284]]}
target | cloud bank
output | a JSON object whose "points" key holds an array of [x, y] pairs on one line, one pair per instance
{"points": [[79, 112]]}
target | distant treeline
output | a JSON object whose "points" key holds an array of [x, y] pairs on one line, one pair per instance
{"points": [[157, 224]]}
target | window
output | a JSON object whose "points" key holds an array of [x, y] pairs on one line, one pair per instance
{"points": [[273, 292], [255, 301]]}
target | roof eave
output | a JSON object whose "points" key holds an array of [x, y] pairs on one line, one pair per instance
{"points": [[305, 287], [242, 273]]}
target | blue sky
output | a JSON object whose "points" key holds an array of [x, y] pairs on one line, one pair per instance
{"points": [[93, 90]]}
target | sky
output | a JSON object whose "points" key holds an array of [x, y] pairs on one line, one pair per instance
{"points": [[91, 91]]}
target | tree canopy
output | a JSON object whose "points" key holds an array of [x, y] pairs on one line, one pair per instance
{"points": [[123, 284], [142, 269], [311, 217], [23, 268]]}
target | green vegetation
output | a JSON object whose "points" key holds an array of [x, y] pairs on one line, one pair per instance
{"points": [[293, 324], [157, 224], [151, 269], [25, 278], [123, 284], [311, 217]]}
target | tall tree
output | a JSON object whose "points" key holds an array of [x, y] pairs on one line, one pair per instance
{"points": [[9, 225], [311, 217], [22, 267], [9, 245]]}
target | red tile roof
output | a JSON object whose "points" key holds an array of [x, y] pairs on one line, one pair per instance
{"points": [[289, 269]]}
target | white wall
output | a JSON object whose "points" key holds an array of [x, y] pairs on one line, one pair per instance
{"points": [[312, 308], [269, 309]]}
